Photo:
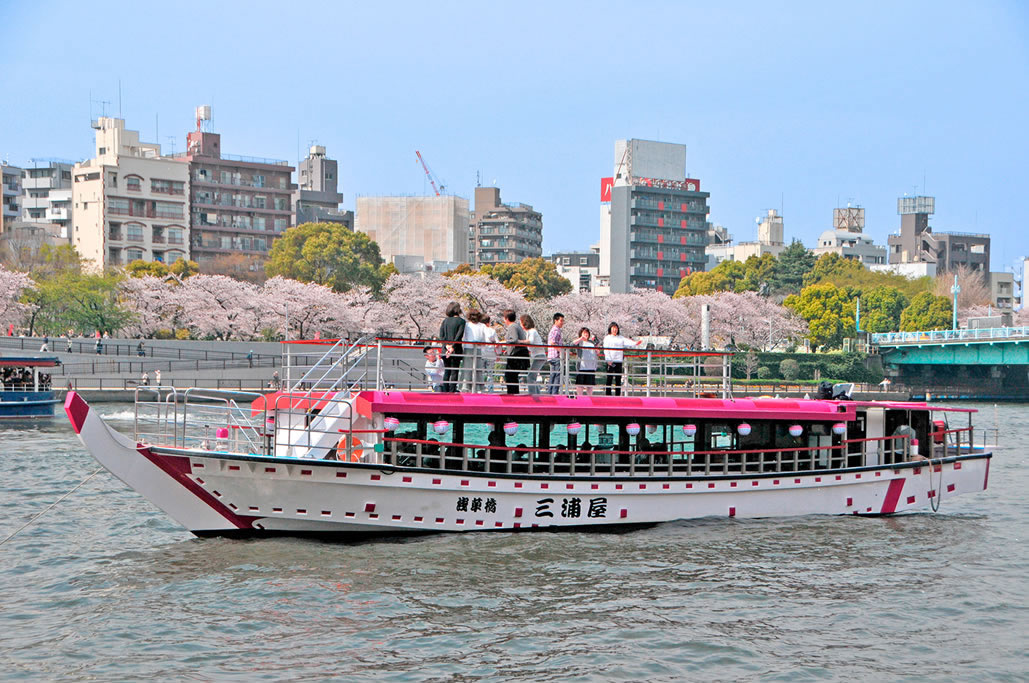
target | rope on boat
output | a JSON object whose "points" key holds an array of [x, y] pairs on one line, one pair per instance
{"points": [[936, 500], [51, 506]]}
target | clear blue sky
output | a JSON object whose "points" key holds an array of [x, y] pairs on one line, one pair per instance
{"points": [[780, 103]]}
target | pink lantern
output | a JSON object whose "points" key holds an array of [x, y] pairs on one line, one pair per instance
{"points": [[221, 433], [574, 428], [440, 426], [689, 430], [510, 428], [743, 429], [796, 430], [840, 428], [632, 428], [391, 424], [651, 429]]}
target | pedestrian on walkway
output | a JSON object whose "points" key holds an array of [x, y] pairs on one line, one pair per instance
{"points": [[157, 377], [99, 345], [250, 358], [140, 351]]}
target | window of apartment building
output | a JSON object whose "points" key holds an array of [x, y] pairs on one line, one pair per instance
{"points": [[258, 180], [116, 205], [114, 231], [133, 183], [283, 183], [168, 209], [259, 223], [566, 261], [280, 224], [175, 235], [167, 186], [260, 244], [133, 255], [102, 150], [65, 175], [281, 204], [134, 232], [260, 201], [112, 179], [583, 260]]}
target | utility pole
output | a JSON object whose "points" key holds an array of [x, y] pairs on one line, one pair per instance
{"points": [[955, 290]]}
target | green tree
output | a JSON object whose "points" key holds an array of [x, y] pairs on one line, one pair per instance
{"points": [[328, 254], [93, 303], [828, 310], [181, 268], [881, 309], [832, 265], [789, 369], [535, 278], [927, 312], [722, 278], [792, 264]]}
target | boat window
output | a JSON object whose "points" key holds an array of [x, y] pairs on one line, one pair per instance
{"points": [[721, 435]]}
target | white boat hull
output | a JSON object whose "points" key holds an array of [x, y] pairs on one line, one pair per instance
{"points": [[227, 494]]}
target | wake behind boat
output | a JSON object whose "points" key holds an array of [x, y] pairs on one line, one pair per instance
{"points": [[342, 452]]}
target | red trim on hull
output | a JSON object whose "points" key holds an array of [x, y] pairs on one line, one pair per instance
{"points": [[892, 496], [77, 409], [178, 468]]}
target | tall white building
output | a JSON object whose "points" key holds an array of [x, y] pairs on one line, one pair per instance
{"points": [[847, 238], [770, 230], [129, 202], [48, 195]]}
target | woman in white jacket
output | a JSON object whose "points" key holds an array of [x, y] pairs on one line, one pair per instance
{"points": [[474, 349], [614, 356]]}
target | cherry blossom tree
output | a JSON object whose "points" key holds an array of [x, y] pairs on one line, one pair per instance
{"points": [[153, 301], [221, 307], [12, 284]]}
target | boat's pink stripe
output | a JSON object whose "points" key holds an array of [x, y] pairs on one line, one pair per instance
{"points": [[599, 406], [892, 496], [179, 469], [77, 410]]}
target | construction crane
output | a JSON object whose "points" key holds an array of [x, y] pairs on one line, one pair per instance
{"points": [[428, 174]]}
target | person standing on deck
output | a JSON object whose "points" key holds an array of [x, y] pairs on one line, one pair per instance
{"points": [[517, 354], [451, 333], [489, 352], [614, 356], [537, 352], [554, 354], [585, 377], [475, 334]]}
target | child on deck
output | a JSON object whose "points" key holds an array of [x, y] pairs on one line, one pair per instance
{"points": [[434, 368]]}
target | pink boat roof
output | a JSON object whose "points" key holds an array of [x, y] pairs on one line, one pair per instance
{"points": [[636, 407]]}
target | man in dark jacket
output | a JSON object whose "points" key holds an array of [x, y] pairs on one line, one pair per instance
{"points": [[451, 333], [515, 350]]}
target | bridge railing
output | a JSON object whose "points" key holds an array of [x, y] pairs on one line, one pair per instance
{"points": [[936, 336]]}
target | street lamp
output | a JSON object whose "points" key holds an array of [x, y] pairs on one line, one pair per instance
{"points": [[954, 290]]}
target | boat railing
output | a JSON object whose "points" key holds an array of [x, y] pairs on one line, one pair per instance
{"points": [[204, 419], [678, 461], [400, 363]]}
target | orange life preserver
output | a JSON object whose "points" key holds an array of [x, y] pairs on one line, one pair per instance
{"points": [[356, 452]]}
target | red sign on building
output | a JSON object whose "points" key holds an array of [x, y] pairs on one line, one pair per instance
{"points": [[605, 189]]}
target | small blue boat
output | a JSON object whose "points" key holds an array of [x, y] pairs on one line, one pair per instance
{"points": [[25, 386]]}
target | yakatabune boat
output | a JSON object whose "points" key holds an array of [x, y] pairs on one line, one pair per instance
{"points": [[24, 390], [328, 457]]}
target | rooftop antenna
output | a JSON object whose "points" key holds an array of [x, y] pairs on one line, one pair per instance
{"points": [[171, 143]]}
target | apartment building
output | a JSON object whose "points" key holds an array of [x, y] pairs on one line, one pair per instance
{"points": [[317, 198], [653, 228], [503, 233], [917, 242], [582, 269], [48, 195], [129, 202], [238, 204], [11, 194], [720, 246]]}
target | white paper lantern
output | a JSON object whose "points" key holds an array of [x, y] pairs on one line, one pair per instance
{"points": [[391, 424], [689, 430], [632, 428], [510, 428], [743, 429], [796, 430], [441, 426], [651, 429], [840, 428], [574, 428]]}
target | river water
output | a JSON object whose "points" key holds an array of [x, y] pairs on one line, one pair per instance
{"points": [[104, 587]]}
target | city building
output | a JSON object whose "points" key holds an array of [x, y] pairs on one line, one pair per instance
{"points": [[582, 269], [917, 242], [129, 202], [770, 231], [1002, 290], [317, 199], [47, 198], [238, 204], [432, 229], [847, 238], [653, 219], [908, 270], [21, 241], [503, 233], [11, 194], [1021, 269]]}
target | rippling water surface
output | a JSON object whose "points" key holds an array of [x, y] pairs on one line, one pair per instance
{"points": [[105, 587]]}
